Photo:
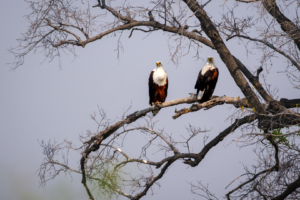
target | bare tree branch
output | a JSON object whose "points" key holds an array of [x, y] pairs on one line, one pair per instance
{"points": [[286, 25], [220, 137], [290, 103], [214, 101], [272, 47], [290, 188]]}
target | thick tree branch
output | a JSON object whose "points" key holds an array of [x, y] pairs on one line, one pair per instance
{"points": [[290, 103], [153, 24], [290, 188], [254, 80], [134, 116], [286, 25], [280, 120], [214, 101], [276, 166], [138, 29]]}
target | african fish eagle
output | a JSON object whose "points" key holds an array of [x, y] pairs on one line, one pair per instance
{"points": [[158, 86], [207, 80]]}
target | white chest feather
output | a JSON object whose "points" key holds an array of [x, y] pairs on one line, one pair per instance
{"points": [[207, 67], [159, 76]]}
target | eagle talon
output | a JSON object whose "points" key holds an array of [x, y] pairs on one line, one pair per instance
{"points": [[157, 103]]}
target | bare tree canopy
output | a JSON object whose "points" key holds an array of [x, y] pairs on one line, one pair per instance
{"points": [[269, 124]]}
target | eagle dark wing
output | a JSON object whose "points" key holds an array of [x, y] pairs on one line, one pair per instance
{"points": [[151, 88], [208, 82], [200, 82], [166, 88]]}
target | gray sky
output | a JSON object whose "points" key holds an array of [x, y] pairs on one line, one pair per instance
{"points": [[40, 101]]}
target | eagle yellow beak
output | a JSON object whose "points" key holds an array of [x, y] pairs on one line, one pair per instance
{"points": [[158, 63]]}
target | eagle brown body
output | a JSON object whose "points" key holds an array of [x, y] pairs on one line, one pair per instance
{"points": [[157, 93], [207, 80], [158, 86]]}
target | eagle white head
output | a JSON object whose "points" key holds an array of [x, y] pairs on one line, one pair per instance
{"points": [[209, 65], [159, 75], [210, 60], [159, 64]]}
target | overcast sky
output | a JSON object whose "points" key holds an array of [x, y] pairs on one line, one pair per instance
{"points": [[41, 101]]}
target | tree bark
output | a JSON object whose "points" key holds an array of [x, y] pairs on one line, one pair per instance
{"points": [[285, 24], [290, 188]]}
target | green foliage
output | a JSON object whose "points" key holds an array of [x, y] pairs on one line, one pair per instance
{"points": [[107, 179], [280, 140]]}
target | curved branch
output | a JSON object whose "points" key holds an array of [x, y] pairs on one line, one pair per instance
{"points": [[80, 29], [162, 137], [49, 23], [272, 47], [250, 180], [133, 23], [220, 137], [286, 25], [237, 102], [155, 25], [138, 114]]}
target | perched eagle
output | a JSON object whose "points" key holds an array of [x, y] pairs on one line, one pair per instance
{"points": [[158, 86], [207, 80]]}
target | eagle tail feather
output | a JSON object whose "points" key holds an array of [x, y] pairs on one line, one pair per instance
{"points": [[200, 94]]}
